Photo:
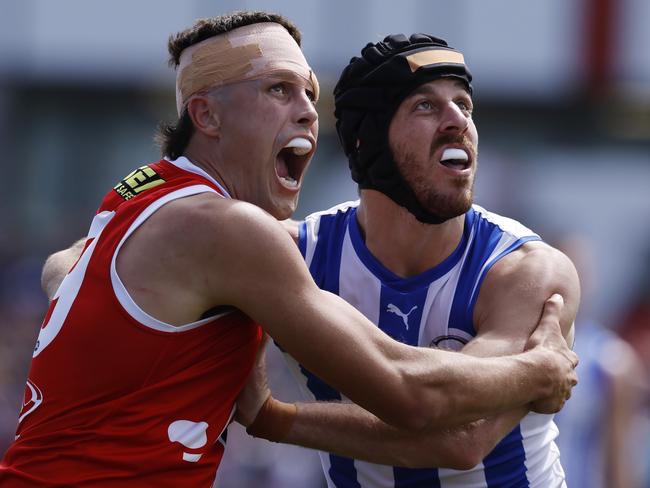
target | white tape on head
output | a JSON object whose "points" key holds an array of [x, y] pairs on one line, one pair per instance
{"points": [[245, 53]]}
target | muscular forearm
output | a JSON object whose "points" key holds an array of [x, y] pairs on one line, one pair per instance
{"points": [[347, 430], [473, 388]]}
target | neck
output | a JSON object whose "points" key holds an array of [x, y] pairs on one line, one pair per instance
{"points": [[197, 154], [401, 243]]}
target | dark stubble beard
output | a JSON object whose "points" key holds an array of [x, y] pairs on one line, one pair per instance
{"points": [[459, 196]]}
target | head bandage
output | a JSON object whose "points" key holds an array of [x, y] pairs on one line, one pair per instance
{"points": [[367, 96], [246, 53]]}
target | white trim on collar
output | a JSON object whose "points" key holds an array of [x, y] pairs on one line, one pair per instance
{"points": [[183, 163]]}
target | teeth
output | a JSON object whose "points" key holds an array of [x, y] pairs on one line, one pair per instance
{"points": [[289, 180], [300, 146], [453, 153]]}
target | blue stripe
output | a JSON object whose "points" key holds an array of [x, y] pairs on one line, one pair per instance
{"points": [[321, 390], [302, 238], [416, 478], [505, 466], [400, 314], [342, 471]]}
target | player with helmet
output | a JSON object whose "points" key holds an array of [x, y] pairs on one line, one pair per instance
{"points": [[429, 268]]}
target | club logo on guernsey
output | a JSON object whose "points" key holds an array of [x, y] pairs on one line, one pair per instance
{"points": [[191, 435], [449, 342], [405, 316], [139, 180]]}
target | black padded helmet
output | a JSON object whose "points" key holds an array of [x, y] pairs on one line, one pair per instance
{"points": [[368, 93]]}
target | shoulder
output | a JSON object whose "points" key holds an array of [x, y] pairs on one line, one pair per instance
{"points": [[207, 228], [210, 220], [525, 278], [534, 264], [507, 225], [226, 244], [336, 211], [325, 220]]}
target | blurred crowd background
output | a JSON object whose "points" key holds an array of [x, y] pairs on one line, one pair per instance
{"points": [[562, 104]]}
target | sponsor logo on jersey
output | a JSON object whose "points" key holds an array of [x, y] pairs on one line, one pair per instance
{"points": [[191, 435], [405, 316], [139, 180]]}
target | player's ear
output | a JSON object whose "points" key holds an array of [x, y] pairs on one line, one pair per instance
{"points": [[203, 110]]}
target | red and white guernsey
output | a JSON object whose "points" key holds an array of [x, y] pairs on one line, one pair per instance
{"points": [[115, 397]]}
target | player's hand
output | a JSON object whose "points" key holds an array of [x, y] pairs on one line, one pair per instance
{"points": [[555, 358], [256, 391]]}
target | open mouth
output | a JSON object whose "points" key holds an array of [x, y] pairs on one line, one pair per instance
{"points": [[455, 158], [292, 161]]}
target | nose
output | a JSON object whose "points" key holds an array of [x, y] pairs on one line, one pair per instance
{"points": [[306, 113], [454, 121]]}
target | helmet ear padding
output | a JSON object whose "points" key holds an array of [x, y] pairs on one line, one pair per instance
{"points": [[368, 93]]}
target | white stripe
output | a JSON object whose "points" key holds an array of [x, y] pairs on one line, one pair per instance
{"points": [[325, 462], [507, 225], [232, 414], [312, 226], [504, 243], [440, 299], [374, 475], [311, 229], [357, 285], [542, 455], [187, 165], [120, 290], [437, 307], [451, 478]]}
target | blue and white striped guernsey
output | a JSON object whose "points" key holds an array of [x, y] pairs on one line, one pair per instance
{"points": [[420, 310]]}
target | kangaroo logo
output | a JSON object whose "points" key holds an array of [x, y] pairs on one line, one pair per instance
{"points": [[189, 434], [405, 316]]}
